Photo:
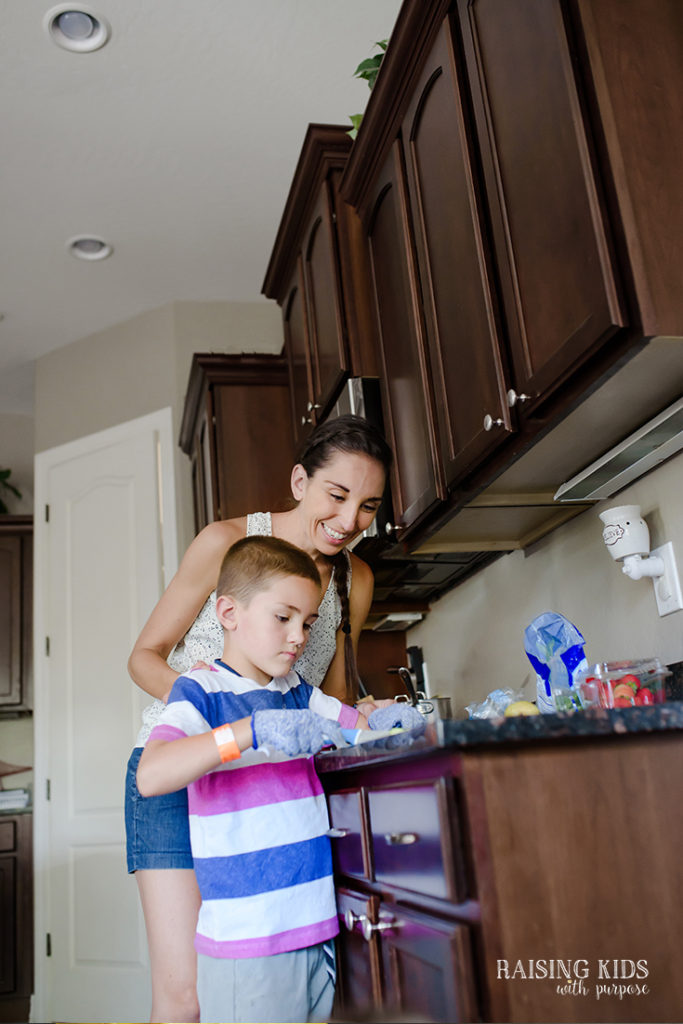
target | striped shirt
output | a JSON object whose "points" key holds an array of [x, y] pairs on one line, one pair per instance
{"points": [[257, 824]]}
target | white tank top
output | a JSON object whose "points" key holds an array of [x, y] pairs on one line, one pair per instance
{"points": [[204, 639]]}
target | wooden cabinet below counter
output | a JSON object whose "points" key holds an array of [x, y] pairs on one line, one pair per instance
{"points": [[16, 614], [525, 881]]}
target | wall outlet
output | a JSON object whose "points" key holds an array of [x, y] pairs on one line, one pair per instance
{"points": [[668, 587]]}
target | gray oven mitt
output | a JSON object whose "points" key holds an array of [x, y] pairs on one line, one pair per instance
{"points": [[397, 716], [294, 731]]}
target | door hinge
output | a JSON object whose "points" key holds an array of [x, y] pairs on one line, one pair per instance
{"points": [[47, 789], [47, 513], [47, 647], [48, 944]]}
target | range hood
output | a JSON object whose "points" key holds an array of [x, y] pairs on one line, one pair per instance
{"points": [[652, 444]]}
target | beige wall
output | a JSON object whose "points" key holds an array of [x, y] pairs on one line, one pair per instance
{"points": [[473, 638], [142, 365]]}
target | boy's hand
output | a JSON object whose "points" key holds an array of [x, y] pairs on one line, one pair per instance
{"points": [[296, 731], [398, 716]]}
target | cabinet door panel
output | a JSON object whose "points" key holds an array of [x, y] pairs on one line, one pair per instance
{"points": [[550, 235], [427, 967], [405, 370], [359, 984], [323, 290], [7, 924], [458, 290], [296, 344], [10, 621]]}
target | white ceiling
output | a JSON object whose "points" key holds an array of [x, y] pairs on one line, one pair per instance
{"points": [[176, 143]]}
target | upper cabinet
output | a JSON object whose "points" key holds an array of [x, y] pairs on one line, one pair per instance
{"points": [[511, 245], [16, 613], [236, 417], [318, 273]]}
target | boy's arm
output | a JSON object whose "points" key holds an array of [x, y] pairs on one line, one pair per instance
{"points": [[168, 765]]}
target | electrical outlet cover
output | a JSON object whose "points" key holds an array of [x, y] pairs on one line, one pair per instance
{"points": [[668, 587]]}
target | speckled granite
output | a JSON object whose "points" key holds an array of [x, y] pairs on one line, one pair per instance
{"points": [[470, 733], [674, 683]]}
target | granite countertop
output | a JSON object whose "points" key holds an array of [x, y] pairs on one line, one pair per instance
{"points": [[471, 733]]}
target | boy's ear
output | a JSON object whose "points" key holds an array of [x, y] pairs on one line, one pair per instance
{"points": [[225, 611], [298, 481]]}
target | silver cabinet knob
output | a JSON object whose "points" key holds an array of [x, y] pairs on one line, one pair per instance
{"points": [[337, 833], [313, 405], [489, 422], [401, 838], [305, 420], [382, 926], [351, 920], [513, 397], [390, 528]]}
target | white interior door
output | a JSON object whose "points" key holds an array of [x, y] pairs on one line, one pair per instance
{"points": [[102, 556]]}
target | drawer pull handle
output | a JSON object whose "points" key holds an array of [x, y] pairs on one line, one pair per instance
{"points": [[351, 920], [401, 838], [338, 833], [381, 926]]}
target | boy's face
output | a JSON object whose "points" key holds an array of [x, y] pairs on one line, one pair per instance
{"points": [[265, 636]]}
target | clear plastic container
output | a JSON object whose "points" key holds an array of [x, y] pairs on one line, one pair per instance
{"points": [[622, 684]]}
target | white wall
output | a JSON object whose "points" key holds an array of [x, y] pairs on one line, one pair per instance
{"points": [[473, 638], [142, 365]]}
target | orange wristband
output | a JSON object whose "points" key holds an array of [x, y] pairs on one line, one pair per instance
{"points": [[226, 743]]}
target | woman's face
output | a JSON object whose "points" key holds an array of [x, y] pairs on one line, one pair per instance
{"points": [[339, 500]]}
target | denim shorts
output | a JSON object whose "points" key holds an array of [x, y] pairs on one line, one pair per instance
{"points": [[157, 827]]}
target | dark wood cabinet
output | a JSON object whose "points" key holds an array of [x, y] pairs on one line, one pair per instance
{"points": [[236, 415], [16, 613], [455, 863], [318, 273], [511, 246], [551, 234], [16, 916]]}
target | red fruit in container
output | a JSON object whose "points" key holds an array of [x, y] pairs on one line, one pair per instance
{"points": [[623, 702], [622, 691], [632, 681], [645, 696]]}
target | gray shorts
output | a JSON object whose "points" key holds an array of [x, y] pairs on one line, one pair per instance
{"points": [[295, 986]]}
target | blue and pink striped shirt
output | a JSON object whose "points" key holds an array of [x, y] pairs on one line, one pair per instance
{"points": [[257, 824]]}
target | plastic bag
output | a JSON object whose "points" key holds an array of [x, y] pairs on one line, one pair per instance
{"points": [[555, 649], [494, 705]]}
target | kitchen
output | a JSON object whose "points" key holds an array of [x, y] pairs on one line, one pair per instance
{"points": [[472, 637]]}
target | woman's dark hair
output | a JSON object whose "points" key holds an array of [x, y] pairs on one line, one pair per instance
{"points": [[355, 436]]}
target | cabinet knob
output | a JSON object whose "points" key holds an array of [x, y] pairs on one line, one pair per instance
{"points": [[351, 919], [337, 833], [382, 926], [513, 397], [313, 405], [390, 528], [305, 420], [490, 422], [401, 838]]}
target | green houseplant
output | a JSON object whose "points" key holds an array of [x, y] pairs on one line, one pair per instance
{"points": [[368, 70], [5, 485]]}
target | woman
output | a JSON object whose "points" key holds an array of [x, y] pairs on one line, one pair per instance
{"points": [[337, 484]]}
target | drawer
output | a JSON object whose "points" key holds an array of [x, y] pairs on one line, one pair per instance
{"points": [[410, 838], [8, 836], [349, 852]]}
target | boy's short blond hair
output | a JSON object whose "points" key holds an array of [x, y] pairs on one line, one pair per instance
{"points": [[251, 563]]}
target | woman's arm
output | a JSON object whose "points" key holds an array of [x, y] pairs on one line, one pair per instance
{"points": [[179, 605], [360, 599], [168, 765]]}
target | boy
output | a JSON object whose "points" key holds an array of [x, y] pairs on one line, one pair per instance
{"points": [[257, 817]]}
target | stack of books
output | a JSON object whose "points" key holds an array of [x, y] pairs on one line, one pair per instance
{"points": [[14, 799]]}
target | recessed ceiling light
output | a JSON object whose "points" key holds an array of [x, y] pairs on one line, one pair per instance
{"points": [[87, 247], [76, 28]]}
